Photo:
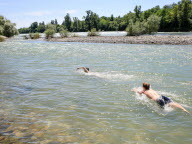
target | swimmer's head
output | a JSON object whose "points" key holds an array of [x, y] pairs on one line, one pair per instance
{"points": [[87, 68], [146, 86]]}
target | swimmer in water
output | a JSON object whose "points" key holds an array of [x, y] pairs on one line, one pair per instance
{"points": [[161, 100], [86, 70]]}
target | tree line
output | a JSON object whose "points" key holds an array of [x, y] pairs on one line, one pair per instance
{"points": [[170, 18]]}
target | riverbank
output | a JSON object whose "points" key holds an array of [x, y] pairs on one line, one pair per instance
{"points": [[147, 39]]}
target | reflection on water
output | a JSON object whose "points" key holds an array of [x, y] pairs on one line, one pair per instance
{"points": [[43, 99]]}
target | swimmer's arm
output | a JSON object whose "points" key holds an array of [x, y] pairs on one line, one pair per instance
{"points": [[135, 90], [85, 70]]}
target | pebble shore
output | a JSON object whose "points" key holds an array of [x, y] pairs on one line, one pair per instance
{"points": [[147, 39]]}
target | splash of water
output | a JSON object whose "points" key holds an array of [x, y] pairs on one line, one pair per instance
{"points": [[109, 75]]}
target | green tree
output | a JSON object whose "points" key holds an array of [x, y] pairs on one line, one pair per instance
{"points": [[33, 27], [104, 24], [41, 28], [174, 20], [1, 30], [67, 22], [50, 31], [184, 15], [2, 20], [137, 11], [93, 32], [152, 24], [24, 30], [113, 26], [56, 23], [9, 29], [112, 18], [135, 29], [76, 24], [91, 20], [63, 33], [52, 22]]}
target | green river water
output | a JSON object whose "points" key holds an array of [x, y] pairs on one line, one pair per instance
{"points": [[43, 99]]}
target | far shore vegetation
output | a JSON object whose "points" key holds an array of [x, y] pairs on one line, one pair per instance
{"points": [[176, 17], [7, 28]]}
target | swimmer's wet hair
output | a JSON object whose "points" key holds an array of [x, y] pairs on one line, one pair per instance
{"points": [[146, 86], [87, 68]]}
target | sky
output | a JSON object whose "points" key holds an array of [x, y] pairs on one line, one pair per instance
{"points": [[24, 12]]}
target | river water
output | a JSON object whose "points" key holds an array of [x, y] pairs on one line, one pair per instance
{"points": [[43, 99]]}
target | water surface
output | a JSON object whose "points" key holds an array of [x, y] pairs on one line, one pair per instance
{"points": [[43, 99]]}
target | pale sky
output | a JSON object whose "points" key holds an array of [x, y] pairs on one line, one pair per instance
{"points": [[24, 12]]}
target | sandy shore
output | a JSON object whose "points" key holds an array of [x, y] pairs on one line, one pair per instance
{"points": [[149, 39]]}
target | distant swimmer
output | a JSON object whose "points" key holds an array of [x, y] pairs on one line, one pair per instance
{"points": [[161, 100], [86, 70]]}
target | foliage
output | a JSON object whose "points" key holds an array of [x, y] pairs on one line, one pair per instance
{"points": [[76, 24], [63, 33], [1, 30], [93, 32], [67, 22], [174, 17], [51, 26], [24, 30], [41, 28], [91, 20], [152, 24], [135, 29], [137, 11], [49, 33], [34, 35], [33, 27], [7, 28]]}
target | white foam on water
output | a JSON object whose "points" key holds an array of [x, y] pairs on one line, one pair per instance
{"points": [[109, 75]]}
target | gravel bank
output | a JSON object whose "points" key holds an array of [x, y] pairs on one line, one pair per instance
{"points": [[152, 39]]}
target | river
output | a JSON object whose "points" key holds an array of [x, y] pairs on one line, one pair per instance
{"points": [[43, 99]]}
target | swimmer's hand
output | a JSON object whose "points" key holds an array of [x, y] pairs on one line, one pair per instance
{"points": [[134, 90], [186, 111]]}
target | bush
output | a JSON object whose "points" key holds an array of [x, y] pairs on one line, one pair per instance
{"points": [[34, 35], [9, 29], [2, 39], [150, 26], [93, 32], [49, 33], [135, 29], [1, 30], [63, 33]]}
